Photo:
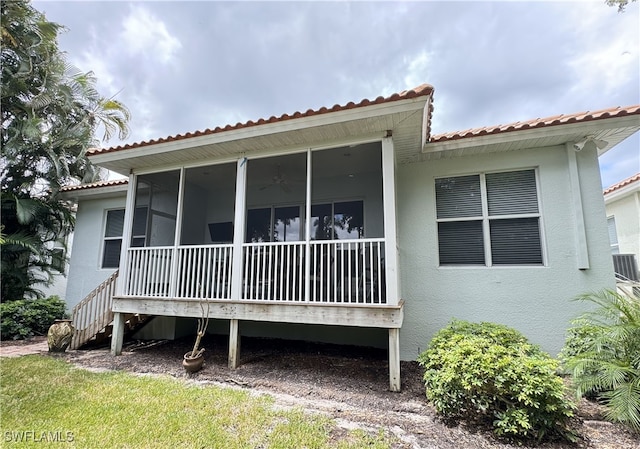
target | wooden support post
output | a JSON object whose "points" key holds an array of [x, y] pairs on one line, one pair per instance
{"points": [[234, 344], [389, 216], [117, 333], [394, 359]]}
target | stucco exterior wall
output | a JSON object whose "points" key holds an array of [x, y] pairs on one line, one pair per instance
{"points": [[85, 273], [534, 300], [626, 211]]}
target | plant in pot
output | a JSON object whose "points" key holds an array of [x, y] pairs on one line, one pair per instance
{"points": [[194, 359]]}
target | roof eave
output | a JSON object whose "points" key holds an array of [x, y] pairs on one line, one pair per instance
{"points": [[378, 115], [622, 192], [566, 132], [110, 191]]}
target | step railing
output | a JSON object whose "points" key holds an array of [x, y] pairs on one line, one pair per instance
{"points": [[93, 313]]}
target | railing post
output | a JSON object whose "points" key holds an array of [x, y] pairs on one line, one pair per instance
{"points": [[307, 232], [127, 229]]}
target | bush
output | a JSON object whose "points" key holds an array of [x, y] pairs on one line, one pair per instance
{"points": [[602, 352], [25, 318], [490, 374]]}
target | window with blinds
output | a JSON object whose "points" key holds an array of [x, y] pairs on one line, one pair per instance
{"points": [[113, 238], [489, 219]]}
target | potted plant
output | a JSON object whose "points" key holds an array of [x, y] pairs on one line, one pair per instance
{"points": [[194, 359]]}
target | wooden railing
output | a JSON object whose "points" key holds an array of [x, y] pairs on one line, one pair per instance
{"points": [[149, 271], [204, 272], [93, 313], [338, 271], [350, 271], [273, 271]]}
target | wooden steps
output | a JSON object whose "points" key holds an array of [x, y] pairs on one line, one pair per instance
{"points": [[93, 319]]}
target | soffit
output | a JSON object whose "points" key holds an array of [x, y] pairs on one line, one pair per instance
{"points": [[405, 114], [612, 130]]}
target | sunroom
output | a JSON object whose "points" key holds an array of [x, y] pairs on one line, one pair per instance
{"points": [[289, 220]]}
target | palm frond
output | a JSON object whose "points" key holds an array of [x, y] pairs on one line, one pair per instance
{"points": [[607, 360]]}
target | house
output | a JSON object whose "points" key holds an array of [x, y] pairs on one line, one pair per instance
{"points": [[351, 224], [622, 205]]}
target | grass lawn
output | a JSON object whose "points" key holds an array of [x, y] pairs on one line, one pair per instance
{"points": [[44, 399]]}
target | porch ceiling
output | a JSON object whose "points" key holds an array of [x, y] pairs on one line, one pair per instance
{"points": [[404, 118]]}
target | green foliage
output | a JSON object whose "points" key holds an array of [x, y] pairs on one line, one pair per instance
{"points": [[621, 4], [491, 374], [50, 113], [25, 318], [603, 354]]}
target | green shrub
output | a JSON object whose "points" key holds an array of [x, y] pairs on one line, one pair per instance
{"points": [[490, 374], [25, 318], [602, 353]]}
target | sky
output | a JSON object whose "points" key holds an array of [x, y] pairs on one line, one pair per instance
{"points": [[187, 66]]}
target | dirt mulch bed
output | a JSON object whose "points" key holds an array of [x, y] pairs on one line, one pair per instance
{"points": [[349, 384]]}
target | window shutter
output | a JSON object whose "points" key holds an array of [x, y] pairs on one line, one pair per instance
{"points": [[512, 193], [461, 243], [111, 255], [458, 197], [516, 241], [115, 223]]}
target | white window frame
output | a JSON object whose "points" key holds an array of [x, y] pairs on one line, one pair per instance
{"points": [[487, 219], [615, 245], [104, 238]]}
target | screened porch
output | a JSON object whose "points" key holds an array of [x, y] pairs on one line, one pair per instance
{"points": [[306, 227]]}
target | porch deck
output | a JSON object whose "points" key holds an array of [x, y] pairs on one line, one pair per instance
{"points": [[315, 282]]}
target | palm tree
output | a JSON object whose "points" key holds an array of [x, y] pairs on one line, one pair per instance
{"points": [[51, 113], [606, 362]]}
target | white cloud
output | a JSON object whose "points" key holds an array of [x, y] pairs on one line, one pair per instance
{"points": [[417, 69], [608, 55], [146, 35]]}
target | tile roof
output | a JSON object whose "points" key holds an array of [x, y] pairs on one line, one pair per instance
{"points": [[95, 185], [561, 119], [419, 91], [623, 183]]}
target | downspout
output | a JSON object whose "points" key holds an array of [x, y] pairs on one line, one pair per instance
{"points": [[582, 251]]}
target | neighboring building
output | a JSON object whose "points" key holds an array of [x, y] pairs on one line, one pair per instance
{"points": [[622, 204], [354, 225]]}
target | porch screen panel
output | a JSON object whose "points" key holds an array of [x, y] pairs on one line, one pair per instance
{"points": [[158, 193], [208, 206]]}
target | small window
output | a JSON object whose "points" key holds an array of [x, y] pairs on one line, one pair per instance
{"points": [[613, 235], [489, 219], [113, 238]]}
